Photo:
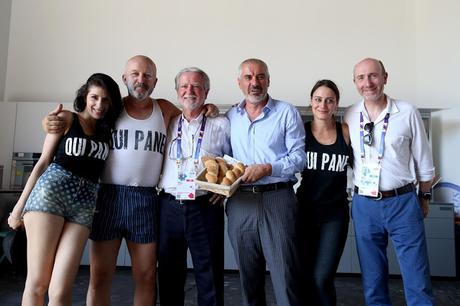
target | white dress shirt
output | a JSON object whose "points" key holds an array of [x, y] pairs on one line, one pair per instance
{"points": [[216, 142], [407, 153]]}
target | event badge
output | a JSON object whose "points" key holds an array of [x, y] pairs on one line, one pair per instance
{"points": [[370, 176], [186, 188]]}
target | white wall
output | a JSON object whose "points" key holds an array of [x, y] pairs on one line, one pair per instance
{"points": [[5, 12], [28, 134], [55, 45], [437, 53], [7, 126], [437, 83]]}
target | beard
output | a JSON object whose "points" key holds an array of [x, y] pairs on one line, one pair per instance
{"points": [[255, 99], [191, 103], [132, 90], [256, 94]]}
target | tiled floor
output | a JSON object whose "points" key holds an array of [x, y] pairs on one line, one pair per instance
{"points": [[349, 292]]}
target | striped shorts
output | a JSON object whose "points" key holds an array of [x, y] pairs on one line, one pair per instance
{"points": [[62, 193], [125, 212]]}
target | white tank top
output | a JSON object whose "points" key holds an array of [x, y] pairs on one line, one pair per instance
{"points": [[136, 155]]}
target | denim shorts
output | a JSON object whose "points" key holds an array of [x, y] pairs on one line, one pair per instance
{"points": [[125, 212], [61, 193]]}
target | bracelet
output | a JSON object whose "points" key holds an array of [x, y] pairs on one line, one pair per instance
{"points": [[425, 195]]}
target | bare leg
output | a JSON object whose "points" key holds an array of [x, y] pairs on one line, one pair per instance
{"points": [[66, 264], [144, 264], [103, 262], [43, 232]]}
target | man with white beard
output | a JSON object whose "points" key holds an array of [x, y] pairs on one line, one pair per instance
{"points": [[189, 218], [269, 137]]}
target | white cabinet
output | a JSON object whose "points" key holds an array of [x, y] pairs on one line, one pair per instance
{"points": [[440, 236], [7, 124], [85, 256], [345, 264]]}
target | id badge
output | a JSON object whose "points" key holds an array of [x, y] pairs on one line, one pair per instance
{"points": [[186, 188], [370, 176]]}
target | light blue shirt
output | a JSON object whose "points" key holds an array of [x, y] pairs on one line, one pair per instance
{"points": [[276, 137]]}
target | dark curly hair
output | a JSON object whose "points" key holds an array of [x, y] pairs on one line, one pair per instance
{"points": [[113, 91], [326, 83]]}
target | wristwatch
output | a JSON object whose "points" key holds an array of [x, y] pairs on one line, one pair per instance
{"points": [[424, 195]]}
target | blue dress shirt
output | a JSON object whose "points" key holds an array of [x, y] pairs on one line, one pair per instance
{"points": [[276, 137]]}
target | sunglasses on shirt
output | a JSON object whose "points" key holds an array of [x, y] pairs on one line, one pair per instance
{"points": [[368, 138]]}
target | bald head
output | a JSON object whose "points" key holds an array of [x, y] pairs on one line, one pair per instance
{"points": [[371, 61], [141, 60], [140, 76]]}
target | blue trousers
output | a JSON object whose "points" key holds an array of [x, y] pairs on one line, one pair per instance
{"points": [[198, 226], [400, 218]]}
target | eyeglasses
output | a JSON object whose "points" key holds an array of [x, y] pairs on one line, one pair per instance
{"points": [[172, 154], [368, 139]]}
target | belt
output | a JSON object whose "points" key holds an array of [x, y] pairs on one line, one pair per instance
{"points": [[391, 193], [266, 187]]}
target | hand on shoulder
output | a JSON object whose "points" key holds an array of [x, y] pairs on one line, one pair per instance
{"points": [[67, 118], [211, 110], [55, 121]]}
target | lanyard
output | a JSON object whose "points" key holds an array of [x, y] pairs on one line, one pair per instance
{"points": [[198, 144], [382, 137]]}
